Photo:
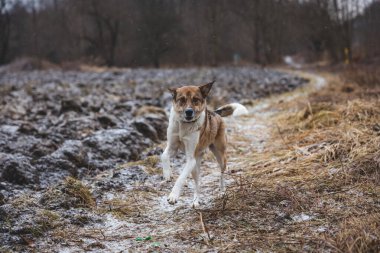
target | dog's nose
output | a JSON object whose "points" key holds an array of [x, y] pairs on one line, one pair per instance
{"points": [[189, 112]]}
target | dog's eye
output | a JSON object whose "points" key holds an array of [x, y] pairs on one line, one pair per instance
{"points": [[196, 100], [182, 100]]}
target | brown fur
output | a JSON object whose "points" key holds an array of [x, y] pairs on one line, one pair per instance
{"points": [[194, 128], [212, 132], [225, 111], [213, 136], [189, 97]]}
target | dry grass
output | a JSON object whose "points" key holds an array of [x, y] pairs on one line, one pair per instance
{"points": [[45, 221], [129, 206], [149, 164], [358, 234], [316, 185], [77, 190], [363, 75], [71, 193]]}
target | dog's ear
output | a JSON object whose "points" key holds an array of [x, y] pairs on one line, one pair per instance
{"points": [[173, 91], [205, 89]]}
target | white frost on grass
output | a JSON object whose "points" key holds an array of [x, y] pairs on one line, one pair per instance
{"points": [[321, 229], [302, 217]]}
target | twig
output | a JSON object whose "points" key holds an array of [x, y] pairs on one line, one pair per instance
{"points": [[282, 137], [310, 108], [205, 230], [138, 205], [225, 199], [29, 242], [102, 233], [335, 192]]}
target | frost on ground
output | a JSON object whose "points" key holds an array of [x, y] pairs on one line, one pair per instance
{"points": [[286, 189], [139, 210], [55, 124], [106, 129]]}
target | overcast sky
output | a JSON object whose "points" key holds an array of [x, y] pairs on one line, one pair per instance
{"points": [[38, 3]]}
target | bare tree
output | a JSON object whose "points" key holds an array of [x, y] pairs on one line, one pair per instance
{"points": [[103, 36], [5, 31], [186, 32], [368, 32], [262, 18], [158, 30]]}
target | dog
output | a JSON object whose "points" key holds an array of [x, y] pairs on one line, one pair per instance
{"points": [[193, 128]]}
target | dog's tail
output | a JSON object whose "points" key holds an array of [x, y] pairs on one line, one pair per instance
{"points": [[234, 109]]}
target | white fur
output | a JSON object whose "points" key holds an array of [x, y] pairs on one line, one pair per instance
{"points": [[186, 136], [182, 135], [239, 109]]}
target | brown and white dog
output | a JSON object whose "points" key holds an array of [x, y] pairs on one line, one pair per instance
{"points": [[193, 128]]}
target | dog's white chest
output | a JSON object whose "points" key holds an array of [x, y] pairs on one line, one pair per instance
{"points": [[187, 134]]}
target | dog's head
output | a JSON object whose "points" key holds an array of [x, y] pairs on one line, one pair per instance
{"points": [[190, 101]]}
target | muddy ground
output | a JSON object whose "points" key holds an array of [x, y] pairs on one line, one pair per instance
{"points": [[79, 165], [56, 124]]}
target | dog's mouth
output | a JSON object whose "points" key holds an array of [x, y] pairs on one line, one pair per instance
{"points": [[189, 119]]}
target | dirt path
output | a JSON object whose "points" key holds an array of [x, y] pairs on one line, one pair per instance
{"points": [[140, 219]]}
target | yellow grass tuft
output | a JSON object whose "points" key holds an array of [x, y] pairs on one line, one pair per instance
{"points": [[150, 164], [315, 186], [358, 234], [363, 75], [76, 189]]}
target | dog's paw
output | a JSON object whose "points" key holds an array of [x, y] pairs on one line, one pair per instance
{"points": [[195, 203], [221, 194], [173, 198]]}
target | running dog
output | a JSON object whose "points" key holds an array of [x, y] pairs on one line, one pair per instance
{"points": [[193, 128]]}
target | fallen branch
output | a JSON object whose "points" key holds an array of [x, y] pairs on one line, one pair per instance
{"points": [[205, 230]]}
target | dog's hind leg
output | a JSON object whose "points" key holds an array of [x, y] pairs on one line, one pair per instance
{"points": [[219, 151], [196, 175]]}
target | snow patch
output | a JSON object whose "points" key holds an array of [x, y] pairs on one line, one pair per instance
{"points": [[302, 217]]}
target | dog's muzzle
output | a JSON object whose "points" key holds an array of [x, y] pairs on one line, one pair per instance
{"points": [[189, 115]]}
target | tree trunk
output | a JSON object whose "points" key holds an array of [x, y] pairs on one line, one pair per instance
{"points": [[4, 32], [156, 61]]}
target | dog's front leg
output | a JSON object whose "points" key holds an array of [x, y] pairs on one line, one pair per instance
{"points": [[196, 173], [171, 148], [190, 145], [176, 191], [165, 160]]}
